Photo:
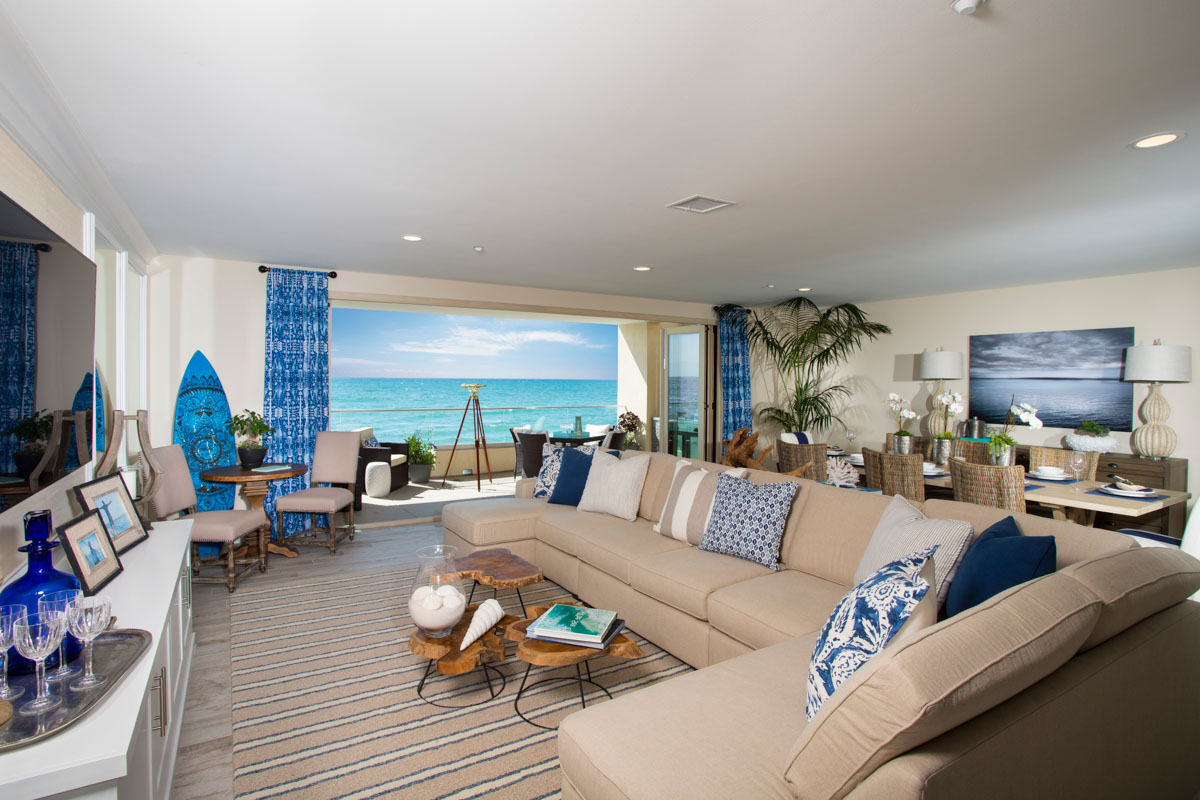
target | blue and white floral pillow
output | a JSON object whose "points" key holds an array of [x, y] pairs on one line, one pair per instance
{"points": [[551, 464], [863, 623], [747, 519]]}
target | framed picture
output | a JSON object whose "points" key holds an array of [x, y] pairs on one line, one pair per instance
{"points": [[90, 551], [109, 496]]}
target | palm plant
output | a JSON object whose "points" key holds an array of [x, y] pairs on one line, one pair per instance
{"points": [[806, 343]]}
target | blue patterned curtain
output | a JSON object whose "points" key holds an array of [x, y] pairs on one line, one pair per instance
{"points": [[737, 410], [296, 394], [18, 341]]}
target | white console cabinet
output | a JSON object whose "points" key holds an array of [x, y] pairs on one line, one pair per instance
{"points": [[125, 748]]}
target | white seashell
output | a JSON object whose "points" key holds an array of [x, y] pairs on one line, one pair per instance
{"points": [[422, 592], [455, 600], [445, 590], [431, 602], [486, 616]]}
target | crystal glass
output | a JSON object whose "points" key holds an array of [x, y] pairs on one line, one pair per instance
{"points": [[35, 640], [55, 608], [1078, 462], [436, 600], [9, 616], [87, 620]]}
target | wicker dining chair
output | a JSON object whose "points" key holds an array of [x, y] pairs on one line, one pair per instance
{"points": [[902, 474], [793, 456], [985, 485], [920, 444], [873, 468], [1058, 457], [530, 445], [971, 452]]}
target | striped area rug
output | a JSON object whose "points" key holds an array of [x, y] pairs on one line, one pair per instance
{"points": [[325, 699]]}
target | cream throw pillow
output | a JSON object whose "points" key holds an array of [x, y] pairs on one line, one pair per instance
{"points": [[689, 503], [614, 485]]}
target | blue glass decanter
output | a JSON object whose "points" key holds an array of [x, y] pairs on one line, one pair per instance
{"points": [[40, 579]]}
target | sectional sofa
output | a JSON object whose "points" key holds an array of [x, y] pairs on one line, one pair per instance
{"points": [[1084, 683]]}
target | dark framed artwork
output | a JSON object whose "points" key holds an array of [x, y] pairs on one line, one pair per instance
{"points": [[110, 497], [1068, 376], [90, 550]]}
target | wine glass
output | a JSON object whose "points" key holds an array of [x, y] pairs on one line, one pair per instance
{"points": [[35, 640], [1077, 462], [9, 615], [87, 620], [850, 434], [55, 608]]}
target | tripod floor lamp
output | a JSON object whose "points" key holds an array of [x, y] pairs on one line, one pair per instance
{"points": [[480, 436]]}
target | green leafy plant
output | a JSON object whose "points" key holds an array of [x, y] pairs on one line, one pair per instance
{"points": [[420, 449], [250, 428], [1092, 428], [806, 343], [1025, 413], [33, 431], [947, 435], [631, 423]]}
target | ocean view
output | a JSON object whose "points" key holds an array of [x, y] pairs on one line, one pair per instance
{"points": [[447, 393]]}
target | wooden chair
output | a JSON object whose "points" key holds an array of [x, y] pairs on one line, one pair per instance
{"points": [[873, 468], [902, 475], [335, 461], [791, 457], [1058, 457], [530, 445], [920, 444], [971, 452], [985, 485], [175, 493]]}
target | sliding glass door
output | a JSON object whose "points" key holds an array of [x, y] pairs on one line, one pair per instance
{"points": [[684, 362]]}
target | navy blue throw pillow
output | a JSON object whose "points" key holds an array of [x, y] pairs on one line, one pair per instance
{"points": [[999, 559], [572, 477]]}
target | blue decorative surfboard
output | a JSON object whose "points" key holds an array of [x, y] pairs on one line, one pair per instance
{"points": [[201, 417], [89, 391]]}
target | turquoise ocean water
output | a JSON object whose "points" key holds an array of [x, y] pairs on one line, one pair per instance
{"points": [[445, 393]]}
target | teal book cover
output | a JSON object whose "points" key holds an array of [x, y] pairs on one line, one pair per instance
{"points": [[575, 621]]}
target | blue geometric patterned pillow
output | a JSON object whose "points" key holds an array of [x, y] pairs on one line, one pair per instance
{"points": [[748, 520], [863, 623], [370, 441], [551, 464]]}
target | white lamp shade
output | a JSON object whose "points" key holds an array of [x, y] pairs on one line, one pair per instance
{"points": [[1163, 363], [941, 365]]}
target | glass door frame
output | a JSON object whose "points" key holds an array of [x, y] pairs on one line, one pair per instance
{"points": [[703, 401]]}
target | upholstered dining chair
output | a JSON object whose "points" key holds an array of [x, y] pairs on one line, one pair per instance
{"points": [[902, 475], [335, 461], [972, 452], [790, 457], [920, 444], [174, 494], [986, 485], [872, 468], [1058, 457], [530, 445]]}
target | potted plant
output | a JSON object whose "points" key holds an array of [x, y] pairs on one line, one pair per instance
{"points": [[631, 423], [1092, 437], [422, 455], [1002, 445], [250, 427], [34, 433], [902, 438]]}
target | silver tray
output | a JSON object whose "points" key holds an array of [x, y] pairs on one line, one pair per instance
{"points": [[114, 654]]}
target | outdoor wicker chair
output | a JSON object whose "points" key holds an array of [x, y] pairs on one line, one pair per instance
{"points": [[985, 485], [530, 445], [793, 456], [902, 475]]}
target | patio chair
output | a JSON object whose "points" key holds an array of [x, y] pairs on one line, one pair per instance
{"points": [[986, 485], [614, 440], [902, 474], [335, 461], [530, 445], [791, 457]]}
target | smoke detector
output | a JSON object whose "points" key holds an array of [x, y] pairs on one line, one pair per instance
{"points": [[700, 204], [966, 6]]}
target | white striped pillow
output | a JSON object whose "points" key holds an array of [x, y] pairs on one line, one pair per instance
{"points": [[689, 502]]}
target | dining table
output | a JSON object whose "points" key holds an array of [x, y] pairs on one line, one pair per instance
{"points": [[574, 440]]}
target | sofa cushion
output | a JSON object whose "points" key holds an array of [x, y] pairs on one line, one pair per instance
{"points": [[932, 683], [560, 529], [999, 559], [766, 610], [611, 549], [1133, 584], [685, 578], [689, 504], [657, 483], [828, 530], [748, 519], [903, 529], [493, 521], [614, 485], [866, 620], [662, 741]]}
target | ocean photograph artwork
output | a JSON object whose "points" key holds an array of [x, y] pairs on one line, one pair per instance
{"points": [[1069, 376]]}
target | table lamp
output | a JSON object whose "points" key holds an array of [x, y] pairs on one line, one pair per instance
{"points": [[1156, 364], [941, 366]]}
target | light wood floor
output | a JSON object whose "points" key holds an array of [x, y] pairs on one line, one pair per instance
{"points": [[204, 765]]}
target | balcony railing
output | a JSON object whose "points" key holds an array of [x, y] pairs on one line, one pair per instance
{"points": [[441, 424]]}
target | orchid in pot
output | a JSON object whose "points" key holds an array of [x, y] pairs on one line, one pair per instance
{"points": [[946, 407], [903, 414], [1002, 444]]}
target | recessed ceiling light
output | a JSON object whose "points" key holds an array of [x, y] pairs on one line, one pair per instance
{"points": [[478, 248], [769, 286], [412, 237], [1157, 140], [641, 269], [805, 289]]}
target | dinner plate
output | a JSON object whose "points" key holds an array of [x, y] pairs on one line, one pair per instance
{"points": [[935, 474], [1113, 490], [855, 458], [1040, 476]]}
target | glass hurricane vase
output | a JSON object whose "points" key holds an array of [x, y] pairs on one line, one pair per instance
{"points": [[436, 600]]}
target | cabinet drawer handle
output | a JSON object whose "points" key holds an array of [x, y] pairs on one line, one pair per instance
{"points": [[159, 724], [186, 585], [1111, 465]]}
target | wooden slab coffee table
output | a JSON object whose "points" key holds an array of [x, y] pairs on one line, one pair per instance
{"points": [[445, 656], [500, 569], [536, 653]]}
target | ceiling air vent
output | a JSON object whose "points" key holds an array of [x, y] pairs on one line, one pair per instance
{"points": [[700, 204]]}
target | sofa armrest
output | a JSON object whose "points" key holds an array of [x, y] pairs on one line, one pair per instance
{"points": [[525, 488]]}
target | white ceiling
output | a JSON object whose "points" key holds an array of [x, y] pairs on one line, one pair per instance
{"points": [[876, 149]]}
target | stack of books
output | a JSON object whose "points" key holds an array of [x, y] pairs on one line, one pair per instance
{"points": [[586, 627]]}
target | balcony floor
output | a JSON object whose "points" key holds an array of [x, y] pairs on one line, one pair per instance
{"points": [[421, 503]]}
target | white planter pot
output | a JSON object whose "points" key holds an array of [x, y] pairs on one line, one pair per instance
{"points": [[1090, 444]]}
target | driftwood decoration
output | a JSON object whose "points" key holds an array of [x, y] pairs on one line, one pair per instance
{"points": [[739, 451]]}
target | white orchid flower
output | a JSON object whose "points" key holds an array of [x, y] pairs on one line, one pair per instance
{"points": [[958, 398], [895, 398], [1016, 410], [908, 414], [1034, 422], [956, 408]]}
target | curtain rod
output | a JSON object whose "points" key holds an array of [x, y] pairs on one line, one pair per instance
{"points": [[263, 268], [42, 247]]}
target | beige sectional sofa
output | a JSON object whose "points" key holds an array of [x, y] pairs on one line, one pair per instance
{"points": [[1082, 683]]}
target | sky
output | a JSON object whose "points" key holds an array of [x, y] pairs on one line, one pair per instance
{"points": [[1094, 353], [404, 344]]}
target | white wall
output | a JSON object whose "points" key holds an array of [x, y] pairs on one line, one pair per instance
{"points": [[1159, 305]]}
